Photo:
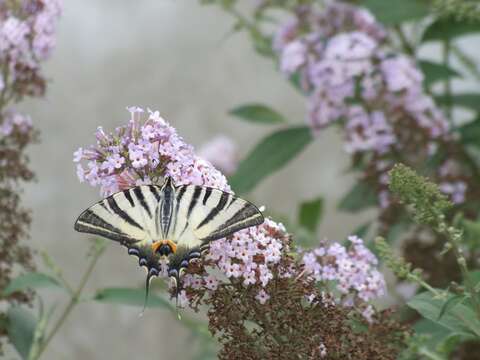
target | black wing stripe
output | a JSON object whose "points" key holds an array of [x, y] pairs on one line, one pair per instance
{"points": [[246, 211], [180, 194], [183, 231], [154, 192], [194, 199], [129, 197], [208, 192], [90, 222], [141, 198], [86, 228], [214, 212], [255, 220], [234, 198], [116, 209], [102, 204]]}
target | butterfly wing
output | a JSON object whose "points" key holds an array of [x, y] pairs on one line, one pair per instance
{"points": [[203, 214], [127, 216]]}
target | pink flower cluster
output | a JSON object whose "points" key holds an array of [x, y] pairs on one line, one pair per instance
{"points": [[27, 36], [341, 58], [354, 79], [353, 269], [142, 152], [15, 122], [249, 257]]}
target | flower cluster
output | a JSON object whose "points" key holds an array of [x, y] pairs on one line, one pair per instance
{"points": [[249, 257], [142, 153], [26, 38], [15, 123], [341, 57], [353, 78], [353, 270]]}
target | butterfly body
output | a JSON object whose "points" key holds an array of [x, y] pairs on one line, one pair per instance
{"points": [[168, 223]]}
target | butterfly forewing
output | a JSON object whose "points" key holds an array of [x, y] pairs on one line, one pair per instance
{"points": [[127, 216]]}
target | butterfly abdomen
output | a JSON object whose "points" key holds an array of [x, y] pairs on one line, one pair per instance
{"points": [[166, 207]]}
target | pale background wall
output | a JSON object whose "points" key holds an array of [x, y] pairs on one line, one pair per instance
{"points": [[169, 55]]}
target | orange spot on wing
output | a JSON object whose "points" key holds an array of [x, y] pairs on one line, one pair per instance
{"points": [[170, 243], [156, 245]]}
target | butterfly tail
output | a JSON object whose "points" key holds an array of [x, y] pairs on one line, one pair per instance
{"points": [[147, 291]]}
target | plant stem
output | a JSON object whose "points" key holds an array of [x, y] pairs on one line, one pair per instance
{"points": [[454, 237], [448, 84], [468, 281], [74, 299], [423, 283]]}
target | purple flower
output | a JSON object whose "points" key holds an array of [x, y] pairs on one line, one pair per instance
{"points": [[322, 350], [78, 155], [211, 282], [455, 189], [115, 161], [353, 269], [293, 56], [262, 297], [400, 73]]}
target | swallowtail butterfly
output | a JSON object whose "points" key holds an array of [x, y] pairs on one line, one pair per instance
{"points": [[169, 222]]}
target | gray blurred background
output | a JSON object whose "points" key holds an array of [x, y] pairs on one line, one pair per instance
{"points": [[174, 56]]}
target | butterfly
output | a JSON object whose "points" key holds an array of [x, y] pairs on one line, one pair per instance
{"points": [[168, 222]]}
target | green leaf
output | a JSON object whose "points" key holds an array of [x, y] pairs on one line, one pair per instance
{"points": [[466, 100], [32, 280], [467, 61], [296, 81], [470, 134], [435, 331], [358, 198], [21, 328], [270, 155], [362, 230], [393, 12], [448, 29], [131, 297], [474, 277], [436, 72], [459, 318], [258, 113], [452, 301], [310, 214]]}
